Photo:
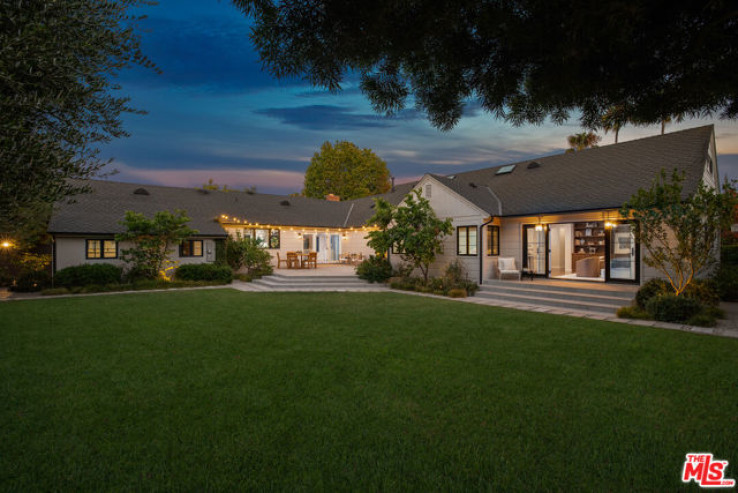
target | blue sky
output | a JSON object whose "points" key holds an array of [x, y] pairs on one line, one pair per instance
{"points": [[213, 113]]}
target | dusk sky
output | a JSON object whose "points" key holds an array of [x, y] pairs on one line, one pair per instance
{"points": [[213, 113]]}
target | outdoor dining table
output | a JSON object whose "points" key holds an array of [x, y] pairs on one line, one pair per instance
{"points": [[302, 258]]}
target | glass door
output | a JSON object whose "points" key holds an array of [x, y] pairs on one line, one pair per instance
{"points": [[623, 253], [535, 249]]}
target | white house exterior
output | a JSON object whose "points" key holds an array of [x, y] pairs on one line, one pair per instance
{"points": [[557, 216]]}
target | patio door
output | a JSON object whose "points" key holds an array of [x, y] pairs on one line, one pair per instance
{"points": [[623, 252], [335, 248], [535, 249]]}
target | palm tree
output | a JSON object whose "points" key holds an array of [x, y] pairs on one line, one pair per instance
{"points": [[677, 118], [614, 119], [581, 141]]}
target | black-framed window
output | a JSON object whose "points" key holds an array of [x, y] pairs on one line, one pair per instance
{"points": [[101, 249], [493, 240], [190, 248], [270, 238], [466, 240]]}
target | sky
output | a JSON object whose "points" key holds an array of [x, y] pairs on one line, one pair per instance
{"points": [[213, 113]]}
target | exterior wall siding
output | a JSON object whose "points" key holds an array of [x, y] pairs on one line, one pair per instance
{"points": [[70, 251]]}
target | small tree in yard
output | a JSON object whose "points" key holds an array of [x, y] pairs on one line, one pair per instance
{"points": [[680, 234], [412, 228], [153, 240], [249, 253]]}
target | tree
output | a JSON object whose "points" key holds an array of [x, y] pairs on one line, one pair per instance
{"points": [[347, 171], [412, 228], [152, 240], [250, 253], [615, 118], [214, 187], [680, 234], [525, 60], [581, 141], [57, 101]]}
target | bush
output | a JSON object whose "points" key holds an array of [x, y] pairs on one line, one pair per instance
{"points": [[729, 254], [249, 253], [83, 275], [634, 312], [457, 293], [55, 291], [672, 308], [726, 282], [703, 291], [31, 281], [374, 269], [204, 272], [649, 290], [703, 320]]}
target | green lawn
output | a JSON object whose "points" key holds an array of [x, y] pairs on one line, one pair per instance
{"points": [[224, 390]]}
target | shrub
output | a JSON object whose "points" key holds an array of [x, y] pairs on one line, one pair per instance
{"points": [[82, 275], [703, 319], [249, 253], [31, 281], [729, 254], [633, 311], [374, 269], [726, 282], [204, 272], [55, 291], [457, 293], [652, 288], [404, 270], [671, 308], [703, 291]]}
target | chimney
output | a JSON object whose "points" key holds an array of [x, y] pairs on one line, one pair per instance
{"points": [[332, 198], [393, 183]]}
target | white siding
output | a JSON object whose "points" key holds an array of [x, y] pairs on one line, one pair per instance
{"points": [[71, 251]]}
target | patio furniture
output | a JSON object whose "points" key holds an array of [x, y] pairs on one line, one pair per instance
{"points": [[312, 260], [506, 267], [293, 260], [285, 261]]}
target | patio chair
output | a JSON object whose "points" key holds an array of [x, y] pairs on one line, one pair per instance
{"points": [[285, 261], [506, 267], [293, 260], [312, 260]]}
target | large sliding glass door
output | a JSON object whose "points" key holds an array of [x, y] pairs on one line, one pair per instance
{"points": [[622, 253], [535, 249]]}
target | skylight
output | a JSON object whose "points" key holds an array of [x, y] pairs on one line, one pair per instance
{"points": [[505, 169]]}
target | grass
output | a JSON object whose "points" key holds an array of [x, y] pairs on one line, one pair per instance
{"points": [[224, 390]]}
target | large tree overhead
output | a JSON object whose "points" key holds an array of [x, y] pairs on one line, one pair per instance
{"points": [[524, 60], [57, 98], [347, 171]]}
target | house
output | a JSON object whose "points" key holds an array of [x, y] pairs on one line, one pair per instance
{"points": [[557, 216]]}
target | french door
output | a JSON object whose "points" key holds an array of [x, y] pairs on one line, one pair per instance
{"points": [[535, 249], [622, 253]]}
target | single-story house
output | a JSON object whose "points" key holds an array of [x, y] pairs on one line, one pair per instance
{"points": [[557, 216]]}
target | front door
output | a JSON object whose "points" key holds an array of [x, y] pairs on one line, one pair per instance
{"points": [[535, 249]]}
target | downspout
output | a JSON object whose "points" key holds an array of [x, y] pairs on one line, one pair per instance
{"points": [[481, 231], [479, 248]]}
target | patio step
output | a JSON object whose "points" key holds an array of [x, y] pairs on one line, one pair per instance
{"points": [[278, 282], [598, 298]]}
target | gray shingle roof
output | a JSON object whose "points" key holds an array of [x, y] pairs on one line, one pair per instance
{"points": [[101, 210], [599, 178]]}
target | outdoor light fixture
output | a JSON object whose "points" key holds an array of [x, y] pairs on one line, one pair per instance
{"points": [[608, 225], [539, 226], [6, 244]]}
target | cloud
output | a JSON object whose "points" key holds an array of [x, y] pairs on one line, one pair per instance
{"points": [[265, 180], [324, 117]]}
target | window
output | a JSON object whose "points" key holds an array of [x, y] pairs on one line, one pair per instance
{"points": [[263, 236], [493, 240], [466, 240], [273, 238], [503, 170], [101, 249], [190, 248], [428, 191]]}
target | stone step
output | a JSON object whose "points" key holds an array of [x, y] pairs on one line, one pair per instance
{"points": [[626, 292], [606, 297], [599, 306]]}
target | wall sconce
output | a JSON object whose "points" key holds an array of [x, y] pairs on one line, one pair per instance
{"points": [[6, 244], [299, 234], [539, 226], [609, 225], [344, 237]]}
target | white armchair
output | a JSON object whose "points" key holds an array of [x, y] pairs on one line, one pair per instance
{"points": [[506, 267]]}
